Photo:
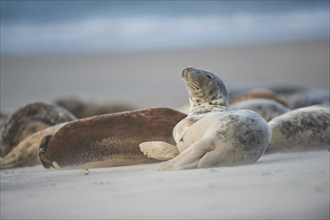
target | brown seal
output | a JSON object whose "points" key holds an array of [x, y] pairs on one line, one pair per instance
{"points": [[260, 93], [108, 140], [29, 119], [26, 153]]}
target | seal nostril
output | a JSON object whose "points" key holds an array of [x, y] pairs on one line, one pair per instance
{"points": [[185, 71]]}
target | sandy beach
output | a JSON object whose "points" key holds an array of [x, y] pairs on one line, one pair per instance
{"points": [[278, 186], [130, 55]]}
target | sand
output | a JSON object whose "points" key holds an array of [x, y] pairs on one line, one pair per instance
{"points": [[278, 186], [291, 185]]}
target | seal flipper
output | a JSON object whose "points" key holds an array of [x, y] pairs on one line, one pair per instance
{"points": [[8, 161], [159, 150], [189, 158], [43, 151]]}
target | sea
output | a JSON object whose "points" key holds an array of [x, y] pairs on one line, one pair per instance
{"points": [[57, 26]]}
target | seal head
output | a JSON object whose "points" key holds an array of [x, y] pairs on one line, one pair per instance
{"points": [[29, 119], [207, 92]]}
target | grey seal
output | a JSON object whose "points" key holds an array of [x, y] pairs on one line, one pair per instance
{"points": [[211, 134], [308, 98], [28, 120], [301, 129], [26, 153], [267, 108]]}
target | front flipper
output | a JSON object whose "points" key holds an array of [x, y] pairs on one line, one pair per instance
{"points": [[159, 150], [189, 158]]}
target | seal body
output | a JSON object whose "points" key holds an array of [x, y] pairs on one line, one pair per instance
{"points": [[222, 139], [267, 108], [211, 134], [26, 153], [305, 128], [84, 108], [309, 98], [28, 120], [259, 94], [108, 140]]}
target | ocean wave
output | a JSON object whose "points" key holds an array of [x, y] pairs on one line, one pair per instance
{"points": [[108, 33]]}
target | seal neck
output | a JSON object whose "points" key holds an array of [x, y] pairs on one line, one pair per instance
{"points": [[203, 109]]}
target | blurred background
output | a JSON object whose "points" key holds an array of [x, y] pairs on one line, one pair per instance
{"points": [[71, 26], [134, 51]]}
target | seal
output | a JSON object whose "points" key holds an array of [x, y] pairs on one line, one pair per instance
{"points": [[29, 119], [302, 129], [267, 108], [109, 139], [211, 134], [308, 98], [84, 108], [259, 93], [26, 153]]}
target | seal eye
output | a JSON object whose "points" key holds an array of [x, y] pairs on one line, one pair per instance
{"points": [[209, 76]]}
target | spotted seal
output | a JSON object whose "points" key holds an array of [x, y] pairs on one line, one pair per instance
{"points": [[308, 98], [306, 128], [28, 120], [267, 108], [211, 134], [26, 153], [109, 139]]}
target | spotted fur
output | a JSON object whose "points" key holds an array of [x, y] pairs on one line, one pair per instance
{"points": [[26, 153], [29, 119], [267, 108], [305, 128]]}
